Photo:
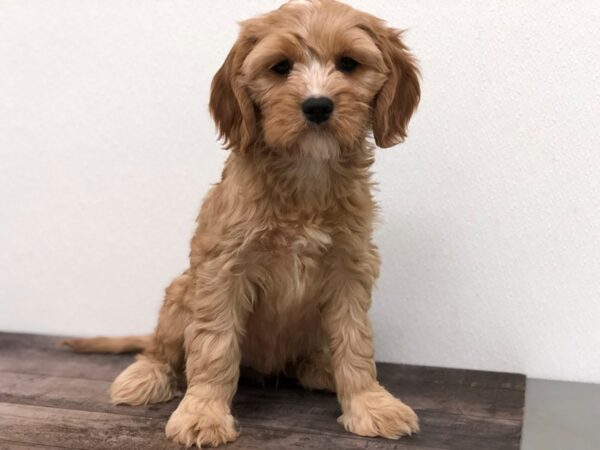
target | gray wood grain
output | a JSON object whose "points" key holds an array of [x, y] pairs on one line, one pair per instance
{"points": [[52, 397]]}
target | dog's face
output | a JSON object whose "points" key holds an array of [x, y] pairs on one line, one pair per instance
{"points": [[314, 70]]}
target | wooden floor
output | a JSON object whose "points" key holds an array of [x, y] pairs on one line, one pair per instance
{"points": [[51, 398]]}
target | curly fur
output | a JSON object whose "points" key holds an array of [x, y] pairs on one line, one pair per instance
{"points": [[282, 263]]}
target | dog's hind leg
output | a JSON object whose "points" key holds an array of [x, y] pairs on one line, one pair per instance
{"points": [[154, 376]]}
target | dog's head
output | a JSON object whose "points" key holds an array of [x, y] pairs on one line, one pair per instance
{"points": [[314, 69]]}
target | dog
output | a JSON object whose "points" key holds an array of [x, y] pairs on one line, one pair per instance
{"points": [[282, 262]]}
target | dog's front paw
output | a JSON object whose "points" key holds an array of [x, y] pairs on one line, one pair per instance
{"points": [[376, 412], [201, 422]]}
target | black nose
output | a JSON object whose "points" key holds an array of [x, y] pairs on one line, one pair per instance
{"points": [[317, 109]]}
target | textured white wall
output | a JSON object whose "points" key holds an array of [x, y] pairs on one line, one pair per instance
{"points": [[490, 230]]}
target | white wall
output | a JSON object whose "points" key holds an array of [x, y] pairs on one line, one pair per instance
{"points": [[491, 210]]}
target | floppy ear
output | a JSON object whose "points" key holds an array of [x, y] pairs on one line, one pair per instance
{"points": [[399, 96], [230, 105]]}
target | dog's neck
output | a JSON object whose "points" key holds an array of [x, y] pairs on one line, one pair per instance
{"points": [[312, 179]]}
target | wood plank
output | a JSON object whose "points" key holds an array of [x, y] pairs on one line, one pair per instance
{"points": [[12, 445], [77, 429], [444, 376], [309, 411], [92, 395], [37, 354], [71, 393], [26, 340], [11, 343], [458, 408]]}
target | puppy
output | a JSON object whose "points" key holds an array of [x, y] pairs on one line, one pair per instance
{"points": [[282, 263]]}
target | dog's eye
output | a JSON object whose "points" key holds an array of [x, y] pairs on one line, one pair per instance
{"points": [[347, 64], [282, 67]]}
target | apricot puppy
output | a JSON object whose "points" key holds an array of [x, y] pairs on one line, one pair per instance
{"points": [[282, 262]]}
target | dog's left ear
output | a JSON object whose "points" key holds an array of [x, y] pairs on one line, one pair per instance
{"points": [[230, 105], [400, 95]]}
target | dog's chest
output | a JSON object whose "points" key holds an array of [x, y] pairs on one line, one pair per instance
{"points": [[294, 258], [285, 320]]}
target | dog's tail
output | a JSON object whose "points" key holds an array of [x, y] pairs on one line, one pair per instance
{"points": [[126, 344]]}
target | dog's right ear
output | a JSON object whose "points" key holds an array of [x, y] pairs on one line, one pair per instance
{"points": [[230, 105]]}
